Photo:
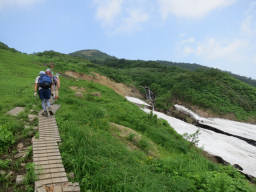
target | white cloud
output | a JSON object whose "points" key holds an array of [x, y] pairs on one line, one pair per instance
{"points": [[108, 10], [17, 3], [133, 21], [191, 8], [189, 40], [215, 49], [121, 16], [248, 25], [129, 15], [235, 54], [188, 50]]}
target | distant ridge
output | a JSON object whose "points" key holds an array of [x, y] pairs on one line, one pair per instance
{"points": [[4, 46], [194, 67], [99, 57], [92, 55]]}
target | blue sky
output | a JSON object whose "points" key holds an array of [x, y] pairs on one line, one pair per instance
{"points": [[214, 33]]}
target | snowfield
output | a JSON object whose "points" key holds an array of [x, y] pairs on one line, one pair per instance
{"points": [[137, 101], [233, 127], [231, 149], [236, 128]]}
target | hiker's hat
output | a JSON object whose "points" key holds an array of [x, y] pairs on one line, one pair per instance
{"points": [[41, 73], [48, 70]]}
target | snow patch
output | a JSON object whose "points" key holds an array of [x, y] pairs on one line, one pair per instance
{"points": [[231, 149], [136, 101], [245, 130]]}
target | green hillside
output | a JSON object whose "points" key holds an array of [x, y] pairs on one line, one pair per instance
{"points": [[209, 89], [194, 67], [100, 57], [6, 47], [102, 160], [92, 55]]}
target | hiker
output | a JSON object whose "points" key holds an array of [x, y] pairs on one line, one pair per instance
{"points": [[43, 85], [55, 85]]}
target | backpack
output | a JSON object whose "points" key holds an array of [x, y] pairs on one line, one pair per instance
{"points": [[45, 81]]}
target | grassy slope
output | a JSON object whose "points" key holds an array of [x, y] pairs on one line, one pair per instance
{"points": [[103, 163], [17, 73], [209, 89], [100, 161]]}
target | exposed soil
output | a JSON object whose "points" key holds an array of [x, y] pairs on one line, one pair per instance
{"points": [[119, 88], [213, 158], [74, 88], [78, 91], [96, 94], [16, 167]]}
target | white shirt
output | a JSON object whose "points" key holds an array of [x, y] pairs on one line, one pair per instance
{"points": [[36, 81], [37, 78]]}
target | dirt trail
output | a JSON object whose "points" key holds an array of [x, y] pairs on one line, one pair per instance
{"points": [[119, 88]]}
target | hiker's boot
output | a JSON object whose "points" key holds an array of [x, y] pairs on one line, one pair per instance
{"points": [[45, 114], [50, 111]]}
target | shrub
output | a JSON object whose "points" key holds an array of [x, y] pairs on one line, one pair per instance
{"points": [[6, 137]]}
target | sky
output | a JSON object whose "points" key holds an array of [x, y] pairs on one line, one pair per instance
{"points": [[213, 33]]}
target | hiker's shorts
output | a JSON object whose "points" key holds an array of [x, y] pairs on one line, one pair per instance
{"points": [[44, 94]]}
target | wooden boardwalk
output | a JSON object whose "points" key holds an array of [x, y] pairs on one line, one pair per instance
{"points": [[51, 175]]}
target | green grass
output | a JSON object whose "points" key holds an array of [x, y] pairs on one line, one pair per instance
{"points": [[17, 75], [100, 161]]}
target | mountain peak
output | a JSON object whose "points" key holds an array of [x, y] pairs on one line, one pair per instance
{"points": [[92, 54]]}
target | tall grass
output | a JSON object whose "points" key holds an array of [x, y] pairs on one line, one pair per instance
{"points": [[101, 162]]}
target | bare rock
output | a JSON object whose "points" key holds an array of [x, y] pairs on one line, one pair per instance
{"points": [[23, 164], [16, 111], [55, 107], [238, 167], [2, 172], [221, 160], [20, 146], [26, 127], [96, 94], [250, 178], [10, 174], [32, 117], [79, 94], [20, 179], [30, 133], [71, 175], [20, 154]]}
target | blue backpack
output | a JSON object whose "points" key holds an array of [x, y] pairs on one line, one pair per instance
{"points": [[45, 81]]}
